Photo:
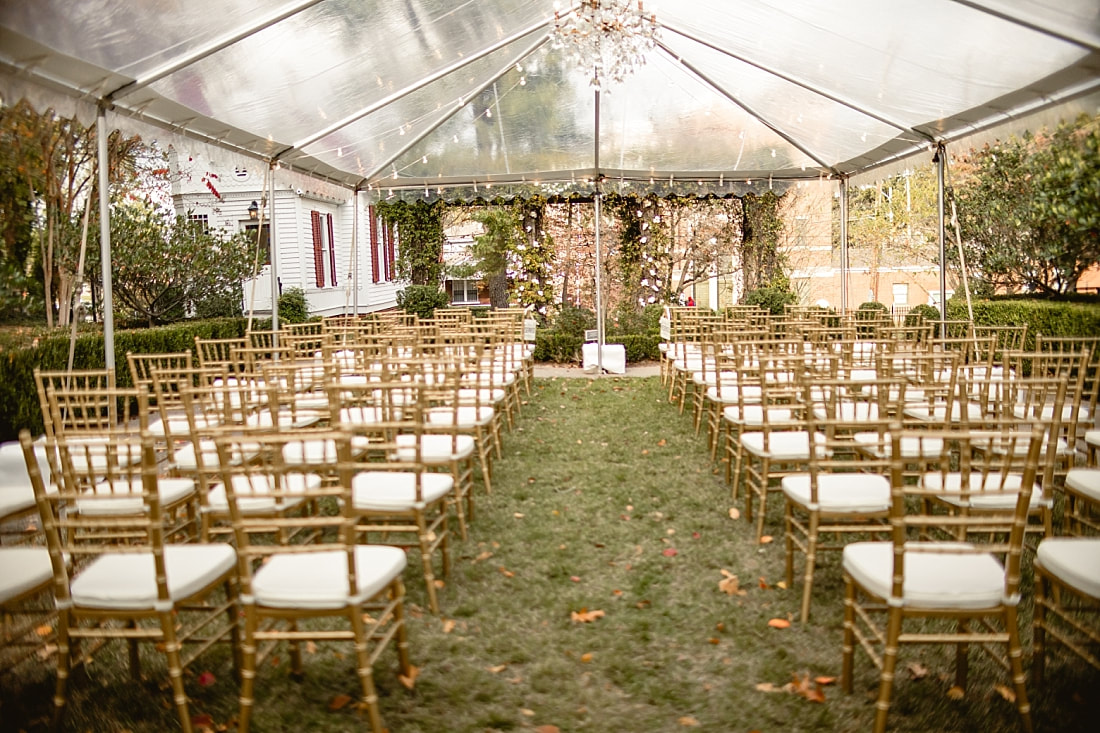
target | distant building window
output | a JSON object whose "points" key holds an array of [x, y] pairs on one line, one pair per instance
{"points": [[201, 222], [324, 249], [901, 293], [264, 244], [463, 291]]}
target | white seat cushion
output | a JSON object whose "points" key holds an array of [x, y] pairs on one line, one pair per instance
{"points": [[1074, 560], [1092, 437], [849, 411], [254, 493], [1084, 481], [791, 445], [128, 581], [463, 417], [974, 412], [23, 569], [396, 490], [990, 493], [435, 449], [952, 580], [857, 493], [911, 447], [177, 425], [727, 393], [754, 415], [319, 580], [120, 496]]}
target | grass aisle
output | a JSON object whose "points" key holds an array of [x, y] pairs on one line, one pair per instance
{"points": [[606, 508]]}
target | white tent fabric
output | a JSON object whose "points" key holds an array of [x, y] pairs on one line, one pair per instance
{"points": [[445, 98]]}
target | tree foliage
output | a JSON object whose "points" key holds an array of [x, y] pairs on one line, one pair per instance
{"points": [[1029, 209], [761, 261], [492, 249], [161, 267], [420, 237]]}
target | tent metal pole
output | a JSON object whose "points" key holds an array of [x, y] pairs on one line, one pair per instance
{"points": [[274, 244], [599, 260], [105, 238], [355, 252], [844, 244], [939, 160]]}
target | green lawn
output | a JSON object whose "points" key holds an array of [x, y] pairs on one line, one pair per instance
{"points": [[606, 505]]}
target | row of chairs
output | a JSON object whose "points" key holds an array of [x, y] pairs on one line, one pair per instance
{"points": [[319, 459], [949, 451]]}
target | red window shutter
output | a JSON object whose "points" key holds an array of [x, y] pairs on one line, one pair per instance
{"points": [[374, 275], [331, 250], [318, 254], [389, 252]]}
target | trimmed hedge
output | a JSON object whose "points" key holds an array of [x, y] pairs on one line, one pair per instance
{"points": [[17, 391], [1041, 316]]}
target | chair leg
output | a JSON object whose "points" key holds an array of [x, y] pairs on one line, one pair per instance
{"points": [[369, 697], [889, 666], [175, 669], [848, 644], [1015, 662], [248, 670], [1039, 629], [962, 656], [64, 667], [401, 639], [426, 562]]}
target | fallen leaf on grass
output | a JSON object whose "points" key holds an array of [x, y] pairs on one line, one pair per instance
{"points": [[409, 680], [311, 647], [575, 578], [586, 657], [730, 585], [669, 552], [527, 712], [956, 693], [339, 702], [497, 669], [202, 720], [518, 515], [807, 688], [44, 630], [585, 616], [483, 556], [766, 539], [448, 626], [769, 687], [781, 585], [824, 681], [1006, 692], [643, 604], [917, 670], [662, 443], [688, 721], [206, 679], [548, 729], [735, 513], [506, 572], [779, 623], [763, 583]]}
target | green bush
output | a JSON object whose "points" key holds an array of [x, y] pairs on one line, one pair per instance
{"points": [[293, 306], [557, 347], [1050, 318], [422, 300], [17, 390], [574, 321], [771, 297], [922, 313], [872, 309], [639, 346]]}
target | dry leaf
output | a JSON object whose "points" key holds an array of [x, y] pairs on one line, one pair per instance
{"points": [[44, 630], [766, 539], [206, 679], [527, 711], [506, 572], [448, 626], [917, 670], [730, 585], [311, 647], [497, 669], [714, 640], [643, 604], [645, 452], [483, 556], [688, 721], [779, 623], [585, 616], [616, 592], [518, 515], [1006, 692], [409, 680], [575, 578], [202, 721], [807, 688], [438, 583], [956, 693], [548, 729], [823, 681], [735, 513], [768, 687], [662, 443], [586, 657], [782, 585], [339, 702], [669, 552]]}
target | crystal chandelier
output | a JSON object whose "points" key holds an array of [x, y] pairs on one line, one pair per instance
{"points": [[608, 38]]}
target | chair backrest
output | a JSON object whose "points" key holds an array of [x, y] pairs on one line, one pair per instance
{"points": [[916, 513], [291, 469], [142, 366], [213, 352], [46, 380]]}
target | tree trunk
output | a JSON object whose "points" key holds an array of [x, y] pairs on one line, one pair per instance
{"points": [[498, 290]]}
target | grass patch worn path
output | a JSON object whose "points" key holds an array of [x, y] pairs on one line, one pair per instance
{"points": [[587, 598]]}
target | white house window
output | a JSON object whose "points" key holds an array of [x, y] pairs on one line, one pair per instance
{"points": [[201, 222], [901, 293], [463, 292]]}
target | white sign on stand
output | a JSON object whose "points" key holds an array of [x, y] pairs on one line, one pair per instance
{"points": [[611, 356]]}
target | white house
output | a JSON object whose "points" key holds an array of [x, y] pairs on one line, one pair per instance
{"points": [[314, 238]]}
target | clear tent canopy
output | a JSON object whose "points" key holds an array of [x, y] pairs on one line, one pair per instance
{"points": [[452, 99]]}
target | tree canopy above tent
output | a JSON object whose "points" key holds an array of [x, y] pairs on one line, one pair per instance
{"points": [[448, 99]]}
